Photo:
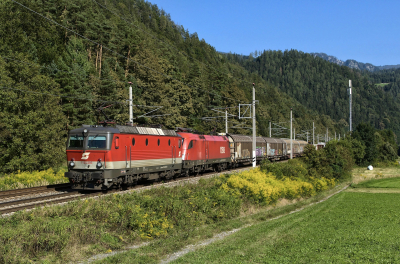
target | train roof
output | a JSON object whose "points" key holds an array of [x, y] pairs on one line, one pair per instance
{"points": [[94, 128], [146, 131], [271, 140], [245, 138], [126, 130], [188, 135], [287, 140], [298, 141]]}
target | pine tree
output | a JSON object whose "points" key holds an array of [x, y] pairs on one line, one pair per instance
{"points": [[31, 119]]}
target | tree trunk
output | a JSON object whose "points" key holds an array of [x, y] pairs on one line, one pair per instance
{"points": [[89, 53], [65, 9], [97, 56], [127, 62], [101, 54]]}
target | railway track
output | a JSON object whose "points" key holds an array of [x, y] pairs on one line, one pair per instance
{"points": [[25, 191], [21, 199]]}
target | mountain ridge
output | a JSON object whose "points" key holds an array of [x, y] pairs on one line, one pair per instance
{"points": [[353, 63]]}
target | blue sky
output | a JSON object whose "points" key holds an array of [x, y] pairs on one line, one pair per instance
{"points": [[366, 31]]}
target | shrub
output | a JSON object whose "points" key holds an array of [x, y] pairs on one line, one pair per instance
{"points": [[332, 162], [355, 147], [293, 169], [264, 188], [31, 179], [366, 134]]}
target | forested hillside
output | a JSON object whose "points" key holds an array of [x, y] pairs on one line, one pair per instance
{"points": [[388, 80], [322, 86], [61, 61]]}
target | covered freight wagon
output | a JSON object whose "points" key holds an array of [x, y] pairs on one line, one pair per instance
{"points": [[241, 148]]}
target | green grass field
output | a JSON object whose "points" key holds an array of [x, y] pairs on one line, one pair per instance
{"points": [[380, 183], [381, 84], [347, 228]]}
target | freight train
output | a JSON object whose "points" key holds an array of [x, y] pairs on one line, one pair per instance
{"points": [[100, 157]]}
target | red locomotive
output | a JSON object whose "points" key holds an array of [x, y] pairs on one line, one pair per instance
{"points": [[100, 157], [203, 152]]}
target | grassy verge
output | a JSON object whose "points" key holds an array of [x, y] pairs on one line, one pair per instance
{"points": [[283, 238], [380, 183], [172, 217], [349, 227], [361, 174], [160, 249], [21, 180]]}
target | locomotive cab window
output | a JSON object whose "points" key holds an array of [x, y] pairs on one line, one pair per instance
{"points": [[158, 142], [147, 142], [190, 144], [179, 143], [75, 142], [97, 142], [133, 142]]}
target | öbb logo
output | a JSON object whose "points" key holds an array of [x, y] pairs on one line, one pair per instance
{"points": [[85, 155]]}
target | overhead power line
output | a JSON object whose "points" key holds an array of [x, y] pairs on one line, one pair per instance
{"points": [[61, 96], [84, 98], [58, 70], [70, 72], [106, 48]]}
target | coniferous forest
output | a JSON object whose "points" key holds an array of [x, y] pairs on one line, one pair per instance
{"points": [[65, 63], [322, 86]]}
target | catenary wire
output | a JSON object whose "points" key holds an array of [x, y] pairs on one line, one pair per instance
{"points": [[75, 97], [80, 98], [74, 73]]}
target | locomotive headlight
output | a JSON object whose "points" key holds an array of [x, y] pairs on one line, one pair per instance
{"points": [[99, 165], [72, 163]]}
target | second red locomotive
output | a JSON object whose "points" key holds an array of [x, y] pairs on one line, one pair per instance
{"points": [[203, 152]]}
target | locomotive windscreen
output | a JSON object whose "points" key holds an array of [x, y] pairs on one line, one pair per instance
{"points": [[75, 142], [95, 142]]}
